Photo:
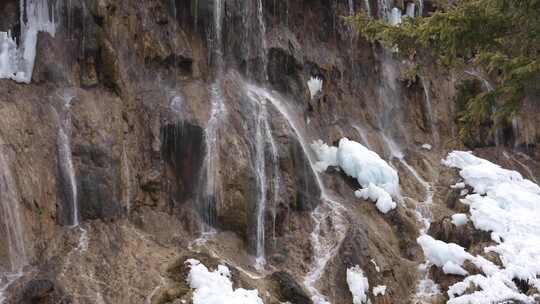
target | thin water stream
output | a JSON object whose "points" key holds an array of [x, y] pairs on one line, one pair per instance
{"points": [[329, 222], [13, 227], [211, 178]]}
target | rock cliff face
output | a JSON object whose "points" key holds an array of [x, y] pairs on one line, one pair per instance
{"points": [[156, 131]]}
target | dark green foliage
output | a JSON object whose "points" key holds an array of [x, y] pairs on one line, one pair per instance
{"points": [[500, 36]]}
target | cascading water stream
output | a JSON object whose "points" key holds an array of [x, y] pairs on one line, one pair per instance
{"points": [[520, 163], [13, 228], [264, 140], [426, 288], [424, 215], [429, 111], [65, 156], [489, 88], [262, 33], [211, 161], [260, 167], [351, 7], [384, 9], [326, 236], [362, 132], [127, 178], [276, 177], [67, 170], [420, 11]]}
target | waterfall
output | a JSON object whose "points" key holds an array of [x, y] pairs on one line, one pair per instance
{"points": [[329, 229], [264, 139], [127, 178], [426, 288], [211, 163], [524, 166], [367, 7], [65, 156], [409, 11], [276, 176], [515, 131], [211, 159], [429, 111], [422, 210], [351, 7], [262, 33], [260, 168], [17, 63], [362, 132], [12, 226], [485, 83], [384, 9], [487, 86], [420, 8]]}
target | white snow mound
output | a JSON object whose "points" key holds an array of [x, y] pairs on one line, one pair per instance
{"points": [[215, 287], [358, 284], [379, 181]]}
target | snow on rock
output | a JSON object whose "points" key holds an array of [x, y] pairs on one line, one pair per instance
{"points": [[327, 155], [314, 86], [427, 146], [215, 287], [376, 194], [379, 181], [439, 252], [492, 290], [358, 284], [459, 219], [460, 185], [379, 290], [508, 206], [452, 268]]}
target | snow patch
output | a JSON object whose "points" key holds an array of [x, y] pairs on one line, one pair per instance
{"points": [[508, 206], [358, 284], [427, 147], [213, 287], [460, 185]]}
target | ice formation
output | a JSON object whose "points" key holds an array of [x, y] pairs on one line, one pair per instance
{"points": [[395, 17], [315, 86], [17, 62], [213, 287], [507, 205], [358, 284], [379, 181]]}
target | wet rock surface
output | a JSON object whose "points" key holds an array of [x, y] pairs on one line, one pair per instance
{"points": [[142, 76]]}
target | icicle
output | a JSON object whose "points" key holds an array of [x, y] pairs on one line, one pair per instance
{"points": [[17, 63], [395, 18], [410, 10]]}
